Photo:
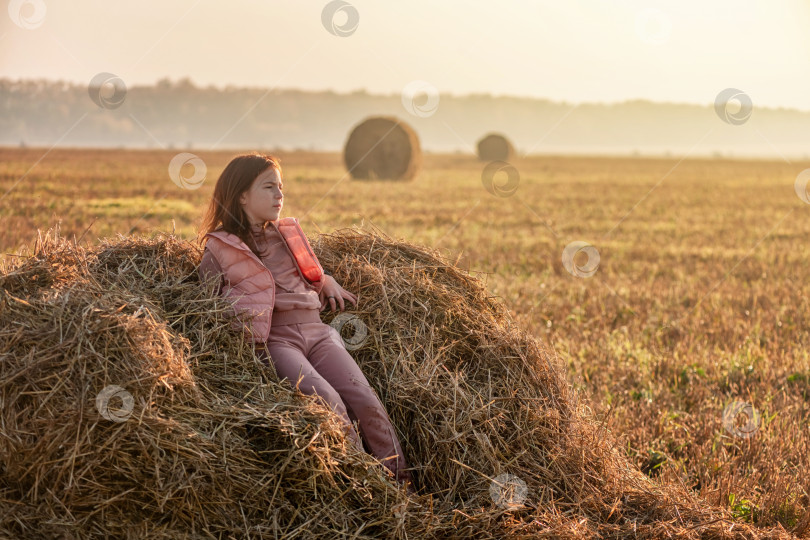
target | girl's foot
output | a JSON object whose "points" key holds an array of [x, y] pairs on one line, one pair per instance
{"points": [[407, 483]]}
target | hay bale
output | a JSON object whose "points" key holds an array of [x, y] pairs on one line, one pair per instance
{"points": [[383, 147], [216, 446], [495, 147]]}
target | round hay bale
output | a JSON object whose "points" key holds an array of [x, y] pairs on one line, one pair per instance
{"points": [[383, 147], [203, 439], [495, 147]]}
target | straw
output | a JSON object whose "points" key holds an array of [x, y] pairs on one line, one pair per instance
{"points": [[130, 408]]}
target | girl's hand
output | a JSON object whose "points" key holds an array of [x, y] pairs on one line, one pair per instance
{"points": [[337, 294]]}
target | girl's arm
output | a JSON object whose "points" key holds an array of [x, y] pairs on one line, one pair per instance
{"points": [[209, 267], [331, 288], [324, 278]]}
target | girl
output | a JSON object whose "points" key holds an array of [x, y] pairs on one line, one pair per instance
{"points": [[267, 264]]}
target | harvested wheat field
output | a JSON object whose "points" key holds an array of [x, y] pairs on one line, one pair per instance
{"points": [[212, 445]]}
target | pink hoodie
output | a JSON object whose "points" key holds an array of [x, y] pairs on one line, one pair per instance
{"points": [[261, 287]]}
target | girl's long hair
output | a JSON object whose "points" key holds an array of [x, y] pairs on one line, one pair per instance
{"points": [[224, 212]]}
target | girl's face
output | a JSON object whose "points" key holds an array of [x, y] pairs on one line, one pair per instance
{"points": [[263, 201]]}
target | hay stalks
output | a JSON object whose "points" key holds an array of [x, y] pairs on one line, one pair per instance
{"points": [[214, 446]]}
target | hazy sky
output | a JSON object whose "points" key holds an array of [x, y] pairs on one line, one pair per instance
{"points": [[574, 50]]}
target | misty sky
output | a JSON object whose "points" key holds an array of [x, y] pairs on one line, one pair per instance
{"points": [[577, 50]]}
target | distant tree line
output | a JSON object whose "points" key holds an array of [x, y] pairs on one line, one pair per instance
{"points": [[179, 114]]}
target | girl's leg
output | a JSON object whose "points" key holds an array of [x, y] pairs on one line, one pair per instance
{"points": [[337, 366], [353, 418], [290, 363]]}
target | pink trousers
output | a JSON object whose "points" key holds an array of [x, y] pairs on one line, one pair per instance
{"points": [[310, 355]]}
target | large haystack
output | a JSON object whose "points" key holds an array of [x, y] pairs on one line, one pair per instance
{"points": [[495, 147], [383, 147], [213, 446]]}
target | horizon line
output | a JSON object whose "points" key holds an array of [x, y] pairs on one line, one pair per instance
{"points": [[365, 91], [633, 154]]}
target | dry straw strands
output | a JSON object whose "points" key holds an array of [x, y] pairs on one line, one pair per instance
{"points": [[214, 446], [383, 147]]}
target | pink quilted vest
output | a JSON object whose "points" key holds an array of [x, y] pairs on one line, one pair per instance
{"points": [[250, 282]]}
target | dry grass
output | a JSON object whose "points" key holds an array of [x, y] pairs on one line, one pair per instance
{"points": [[214, 445]]}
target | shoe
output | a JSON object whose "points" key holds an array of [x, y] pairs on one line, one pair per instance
{"points": [[408, 485]]}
